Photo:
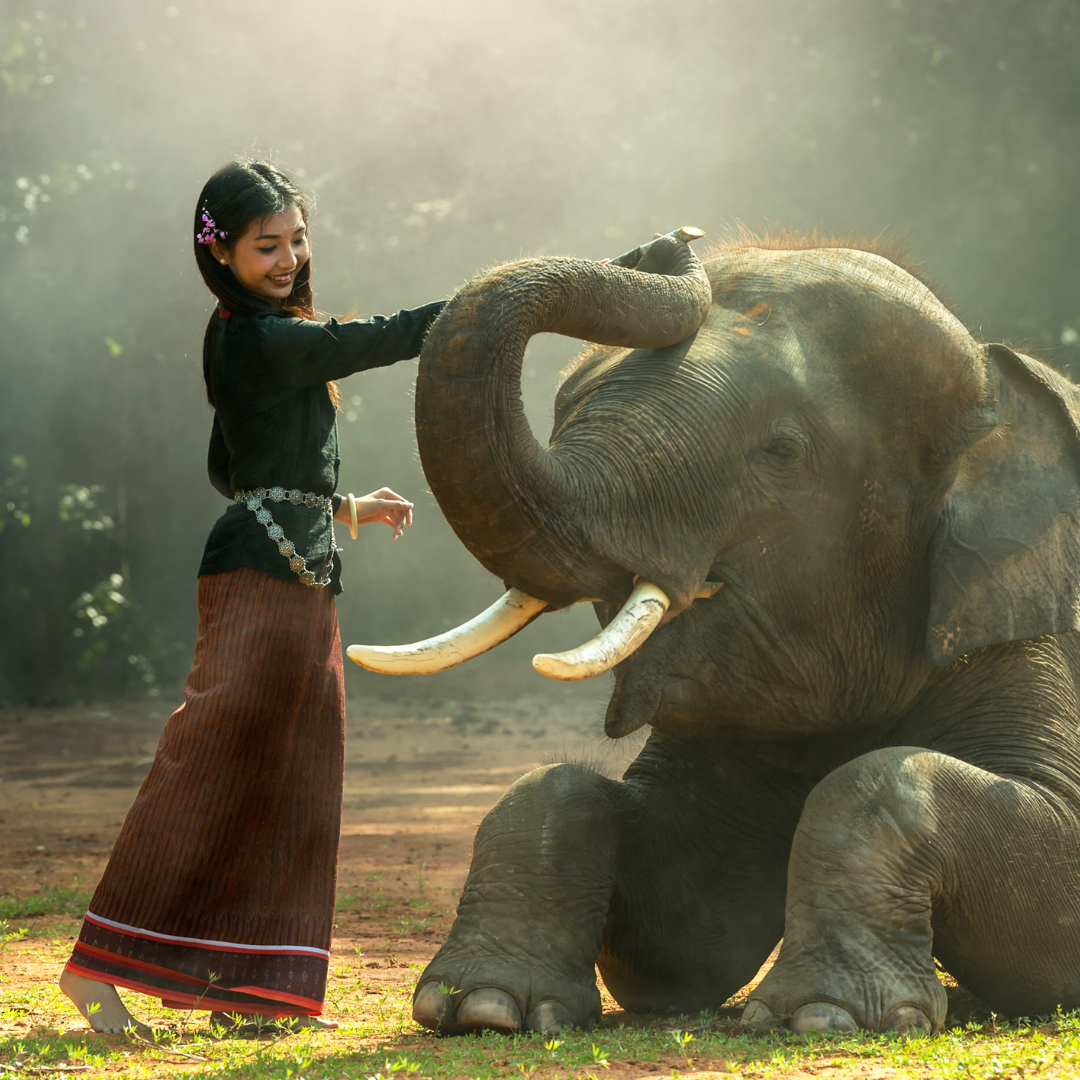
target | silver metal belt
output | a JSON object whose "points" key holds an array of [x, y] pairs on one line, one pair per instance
{"points": [[254, 499]]}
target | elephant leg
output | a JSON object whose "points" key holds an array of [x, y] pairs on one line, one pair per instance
{"points": [[906, 853], [530, 921], [698, 902]]}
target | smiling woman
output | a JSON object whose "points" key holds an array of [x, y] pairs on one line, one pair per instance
{"points": [[219, 893]]}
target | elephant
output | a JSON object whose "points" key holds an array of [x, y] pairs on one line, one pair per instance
{"points": [[832, 543]]}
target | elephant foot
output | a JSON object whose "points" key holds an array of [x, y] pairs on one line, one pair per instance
{"points": [[821, 1016], [549, 1018], [858, 940], [521, 953], [813, 1016], [760, 1017], [908, 1020], [485, 1009], [917, 1005], [488, 1009], [827, 1016]]}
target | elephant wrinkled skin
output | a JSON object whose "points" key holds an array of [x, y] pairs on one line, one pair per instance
{"points": [[866, 742]]}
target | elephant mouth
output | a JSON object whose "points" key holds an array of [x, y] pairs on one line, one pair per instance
{"points": [[646, 608]]}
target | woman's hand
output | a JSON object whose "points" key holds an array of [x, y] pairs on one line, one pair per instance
{"points": [[384, 505]]}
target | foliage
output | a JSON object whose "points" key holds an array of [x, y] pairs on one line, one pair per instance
{"points": [[50, 900], [14, 496], [116, 651], [80, 506], [109, 646]]}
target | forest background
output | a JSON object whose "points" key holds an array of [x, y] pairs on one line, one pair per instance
{"points": [[441, 138]]}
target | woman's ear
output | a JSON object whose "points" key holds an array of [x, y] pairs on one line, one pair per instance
{"points": [[220, 252], [1005, 561]]}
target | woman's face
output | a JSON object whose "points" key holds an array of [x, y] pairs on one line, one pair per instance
{"points": [[267, 258]]}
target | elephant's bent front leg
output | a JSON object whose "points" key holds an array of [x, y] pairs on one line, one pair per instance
{"points": [[530, 920], [906, 853]]}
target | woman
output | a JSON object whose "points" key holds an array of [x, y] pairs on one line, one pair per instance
{"points": [[220, 890]]}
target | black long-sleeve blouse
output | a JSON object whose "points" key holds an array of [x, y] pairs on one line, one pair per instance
{"points": [[275, 425]]}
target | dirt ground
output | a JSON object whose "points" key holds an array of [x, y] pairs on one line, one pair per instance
{"points": [[424, 762], [421, 771]]}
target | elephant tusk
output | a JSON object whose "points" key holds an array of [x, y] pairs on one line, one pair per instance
{"points": [[637, 619], [509, 614]]}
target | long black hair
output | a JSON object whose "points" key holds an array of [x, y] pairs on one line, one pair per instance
{"points": [[236, 195]]}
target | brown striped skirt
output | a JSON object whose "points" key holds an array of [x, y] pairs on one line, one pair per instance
{"points": [[219, 893]]}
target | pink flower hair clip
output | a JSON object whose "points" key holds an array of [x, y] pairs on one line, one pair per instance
{"points": [[210, 231]]}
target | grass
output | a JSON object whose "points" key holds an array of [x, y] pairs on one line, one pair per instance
{"points": [[50, 900], [378, 1039], [70, 900]]}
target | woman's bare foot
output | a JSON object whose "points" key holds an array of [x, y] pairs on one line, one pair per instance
{"points": [[255, 1024], [110, 1015]]}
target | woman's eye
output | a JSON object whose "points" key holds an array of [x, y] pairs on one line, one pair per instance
{"points": [[266, 251]]}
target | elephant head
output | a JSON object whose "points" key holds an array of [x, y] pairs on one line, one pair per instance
{"points": [[809, 428]]}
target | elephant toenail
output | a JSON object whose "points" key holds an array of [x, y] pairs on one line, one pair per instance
{"points": [[758, 1014], [488, 1008], [433, 1008], [907, 1020], [821, 1016], [550, 1017]]}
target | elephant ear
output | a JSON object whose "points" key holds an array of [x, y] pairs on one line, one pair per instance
{"points": [[1005, 560]]}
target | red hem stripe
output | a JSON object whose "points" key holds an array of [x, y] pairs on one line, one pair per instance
{"points": [[196, 1001]]}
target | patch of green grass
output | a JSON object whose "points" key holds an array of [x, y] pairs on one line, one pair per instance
{"points": [[11, 933], [407, 926], [365, 898], [50, 900], [1019, 1051], [377, 1038]]}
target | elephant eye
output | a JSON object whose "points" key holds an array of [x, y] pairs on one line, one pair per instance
{"points": [[784, 451], [782, 455]]}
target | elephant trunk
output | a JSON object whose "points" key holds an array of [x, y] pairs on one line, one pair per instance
{"points": [[509, 500]]}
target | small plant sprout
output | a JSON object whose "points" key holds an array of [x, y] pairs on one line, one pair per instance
{"points": [[682, 1038], [553, 1045], [93, 1007], [403, 1064], [7, 934], [599, 1056]]}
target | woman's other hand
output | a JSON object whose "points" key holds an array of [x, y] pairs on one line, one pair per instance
{"points": [[384, 505]]}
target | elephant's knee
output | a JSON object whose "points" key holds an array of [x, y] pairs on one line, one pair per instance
{"points": [[559, 814], [557, 795], [881, 803]]}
